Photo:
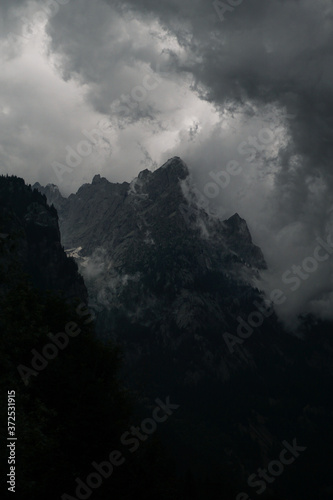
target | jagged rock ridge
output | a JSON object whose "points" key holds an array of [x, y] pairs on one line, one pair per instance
{"points": [[31, 240], [150, 271], [168, 288]]}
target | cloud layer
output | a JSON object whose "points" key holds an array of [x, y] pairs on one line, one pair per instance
{"points": [[149, 80]]}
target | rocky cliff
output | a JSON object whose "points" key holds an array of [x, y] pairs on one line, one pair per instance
{"points": [[30, 241], [149, 270], [176, 287]]}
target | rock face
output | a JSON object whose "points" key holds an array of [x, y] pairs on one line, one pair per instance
{"points": [[31, 241], [177, 288], [159, 279]]}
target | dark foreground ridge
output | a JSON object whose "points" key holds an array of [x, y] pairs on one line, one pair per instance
{"points": [[179, 299], [178, 294]]}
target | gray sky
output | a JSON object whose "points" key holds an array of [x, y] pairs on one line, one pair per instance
{"points": [[145, 80]]}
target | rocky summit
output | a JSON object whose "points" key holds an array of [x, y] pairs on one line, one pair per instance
{"points": [[161, 272], [176, 287], [168, 280]]}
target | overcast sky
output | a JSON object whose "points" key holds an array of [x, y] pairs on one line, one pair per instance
{"points": [[113, 87]]}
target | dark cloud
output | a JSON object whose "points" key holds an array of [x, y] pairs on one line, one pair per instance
{"points": [[271, 58]]}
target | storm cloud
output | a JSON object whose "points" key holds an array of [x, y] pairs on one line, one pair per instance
{"points": [[211, 82]]}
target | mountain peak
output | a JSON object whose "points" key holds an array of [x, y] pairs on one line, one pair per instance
{"points": [[176, 164], [144, 174], [52, 192], [238, 225], [53, 187], [98, 179]]}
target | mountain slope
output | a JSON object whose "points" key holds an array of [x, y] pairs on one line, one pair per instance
{"points": [[177, 288], [30, 240], [68, 404], [147, 269]]}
